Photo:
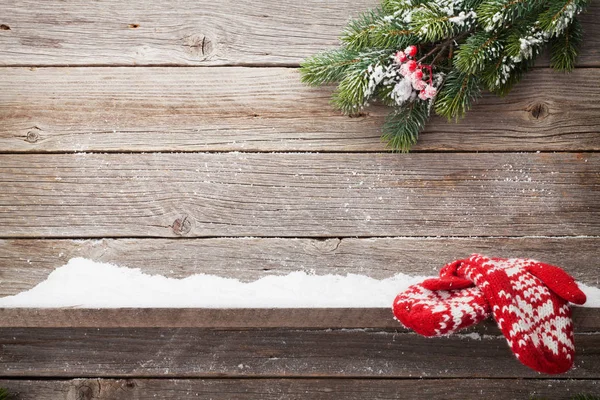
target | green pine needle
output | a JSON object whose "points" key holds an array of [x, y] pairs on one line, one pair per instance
{"points": [[402, 126], [458, 93], [327, 67], [565, 47], [479, 51], [350, 94], [432, 24], [358, 32], [559, 15], [4, 394], [495, 13], [392, 35], [393, 6]]}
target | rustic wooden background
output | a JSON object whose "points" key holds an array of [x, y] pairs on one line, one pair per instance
{"points": [[175, 136]]}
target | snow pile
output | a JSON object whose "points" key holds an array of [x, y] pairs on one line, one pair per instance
{"points": [[88, 284]]}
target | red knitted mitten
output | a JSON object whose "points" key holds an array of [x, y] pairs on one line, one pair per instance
{"points": [[529, 301], [443, 307]]}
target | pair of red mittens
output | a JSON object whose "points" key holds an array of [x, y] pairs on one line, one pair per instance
{"points": [[528, 299]]}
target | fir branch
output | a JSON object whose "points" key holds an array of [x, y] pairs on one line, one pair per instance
{"points": [[565, 47], [458, 93], [441, 47], [350, 94], [495, 13], [505, 82], [559, 15], [402, 126], [432, 24], [478, 52], [392, 35], [395, 6], [465, 46], [328, 67], [357, 34]]}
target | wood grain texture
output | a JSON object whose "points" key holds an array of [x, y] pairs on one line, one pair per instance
{"points": [[201, 353], [26, 262], [188, 32], [297, 389], [299, 195], [584, 319], [268, 109]]}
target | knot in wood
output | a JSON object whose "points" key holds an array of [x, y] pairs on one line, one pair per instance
{"points": [[198, 45], [539, 110], [4, 27], [182, 225], [85, 393], [129, 384], [33, 135]]}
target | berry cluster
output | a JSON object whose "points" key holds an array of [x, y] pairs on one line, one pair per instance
{"points": [[413, 71]]}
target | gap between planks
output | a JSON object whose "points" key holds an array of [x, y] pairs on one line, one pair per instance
{"points": [[299, 388], [585, 320]]}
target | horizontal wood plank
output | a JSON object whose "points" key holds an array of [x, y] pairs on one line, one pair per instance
{"points": [[26, 262], [297, 389], [268, 109], [202, 353], [189, 32], [584, 319], [299, 195]]}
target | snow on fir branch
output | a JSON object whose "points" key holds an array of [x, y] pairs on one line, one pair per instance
{"points": [[419, 56]]}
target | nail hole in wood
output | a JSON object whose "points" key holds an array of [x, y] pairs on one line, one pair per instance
{"points": [[134, 26]]}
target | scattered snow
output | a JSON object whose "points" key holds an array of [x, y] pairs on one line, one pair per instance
{"points": [[89, 284], [472, 335], [463, 18]]}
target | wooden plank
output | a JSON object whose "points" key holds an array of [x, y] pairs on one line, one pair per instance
{"points": [[584, 319], [189, 32], [26, 262], [202, 353], [268, 109], [299, 195], [296, 389]]}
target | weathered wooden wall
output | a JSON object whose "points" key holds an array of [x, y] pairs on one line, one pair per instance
{"points": [[175, 137]]}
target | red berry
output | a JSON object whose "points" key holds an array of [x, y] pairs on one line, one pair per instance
{"points": [[400, 57], [419, 85], [418, 74], [430, 91], [411, 50], [411, 65]]}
